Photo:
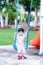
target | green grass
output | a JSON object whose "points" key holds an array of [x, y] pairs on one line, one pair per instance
{"points": [[7, 36]]}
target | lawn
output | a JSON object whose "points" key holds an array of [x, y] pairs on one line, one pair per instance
{"points": [[7, 36]]}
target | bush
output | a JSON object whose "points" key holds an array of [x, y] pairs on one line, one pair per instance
{"points": [[4, 10], [32, 18], [26, 18], [11, 15]]}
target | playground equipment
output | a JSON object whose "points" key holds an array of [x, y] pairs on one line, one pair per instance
{"points": [[26, 44], [36, 41], [41, 28], [39, 37], [40, 34]]}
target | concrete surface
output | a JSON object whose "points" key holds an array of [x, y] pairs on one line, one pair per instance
{"points": [[8, 56]]}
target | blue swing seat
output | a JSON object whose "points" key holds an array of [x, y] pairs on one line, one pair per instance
{"points": [[15, 47]]}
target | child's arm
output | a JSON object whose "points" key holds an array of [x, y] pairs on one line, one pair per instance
{"points": [[26, 31], [25, 34]]}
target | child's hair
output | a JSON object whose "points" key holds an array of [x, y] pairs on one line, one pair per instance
{"points": [[20, 29]]}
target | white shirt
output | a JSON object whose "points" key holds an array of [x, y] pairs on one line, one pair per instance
{"points": [[20, 39], [20, 42]]}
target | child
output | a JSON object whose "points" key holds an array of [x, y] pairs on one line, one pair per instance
{"points": [[20, 43]]}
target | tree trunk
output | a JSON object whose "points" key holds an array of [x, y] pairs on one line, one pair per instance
{"points": [[36, 17], [6, 19]]}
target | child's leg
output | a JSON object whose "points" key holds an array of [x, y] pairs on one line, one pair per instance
{"points": [[19, 51], [24, 53], [19, 54]]}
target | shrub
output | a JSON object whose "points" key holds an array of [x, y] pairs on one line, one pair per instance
{"points": [[32, 18]]}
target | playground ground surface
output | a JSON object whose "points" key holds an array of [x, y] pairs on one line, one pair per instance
{"points": [[8, 56]]}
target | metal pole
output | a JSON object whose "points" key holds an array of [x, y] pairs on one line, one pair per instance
{"points": [[17, 17], [41, 28], [27, 38]]}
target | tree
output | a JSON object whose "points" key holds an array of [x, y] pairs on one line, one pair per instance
{"points": [[12, 12], [10, 8], [26, 4], [35, 6]]}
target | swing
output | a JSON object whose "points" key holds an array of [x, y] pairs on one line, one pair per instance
{"points": [[26, 44]]}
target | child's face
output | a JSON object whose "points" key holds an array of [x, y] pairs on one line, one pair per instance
{"points": [[21, 33]]}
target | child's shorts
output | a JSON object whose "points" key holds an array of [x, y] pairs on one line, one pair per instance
{"points": [[20, 48]]}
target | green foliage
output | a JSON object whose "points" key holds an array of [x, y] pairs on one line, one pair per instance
{"points": [[12, 13], [25, 19], [11, 8], [32, 18], [4, 10], [26, 4], [4, 4], [36, 4], [11, 16]]}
